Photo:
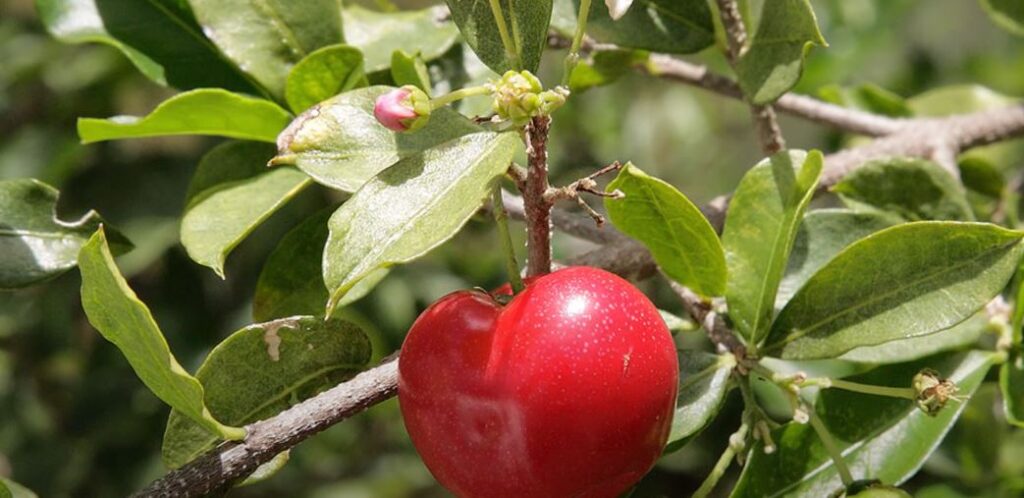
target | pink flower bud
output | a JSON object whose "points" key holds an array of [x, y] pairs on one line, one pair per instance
{"points": [[402, 109]]}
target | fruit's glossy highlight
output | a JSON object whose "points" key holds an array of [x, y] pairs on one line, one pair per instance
{"points": [[568, 391]]}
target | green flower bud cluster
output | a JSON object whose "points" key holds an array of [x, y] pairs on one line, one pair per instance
{"points": [[519, 96]]}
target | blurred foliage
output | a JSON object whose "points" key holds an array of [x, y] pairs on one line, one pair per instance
{"points": [[74, 419]]}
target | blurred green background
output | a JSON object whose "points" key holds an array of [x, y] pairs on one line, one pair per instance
{"points": [[76, 422]]}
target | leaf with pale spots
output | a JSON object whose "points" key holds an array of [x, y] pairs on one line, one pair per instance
{"points": [[263, 369], [426, 198], [681, 240]]}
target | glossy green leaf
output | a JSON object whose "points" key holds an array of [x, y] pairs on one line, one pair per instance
{"points": [[266, 38], [604, 68], [11, 489], [160, 37], [957, 337], [760, 227], [821, 235], [340, 144], [681, 240], [1011, 382], [906, 281], [412, 207], [323, 74], [526, 22], [124, 320], [378, 34], [263, 369], [672, 26], [292, 283], [37, 245], [1008, 14], [231, 194], [774, 62], [703, 384], [198, 112], [880, 438], [407, 69], [914, 189]]}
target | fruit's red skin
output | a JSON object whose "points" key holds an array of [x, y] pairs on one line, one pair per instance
{"points": [[568, 391]]}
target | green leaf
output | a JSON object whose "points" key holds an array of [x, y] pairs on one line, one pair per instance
{"points": [[1011, 382], [914, 189], [677, 324], [822, 234], [672, 26], [37, 245], [681, 240], [160, 37], [703, 384], [11, 489], [526, 22], [760, 227], [868, 97], [231, 193], [206, 111], [292, 283], [412, 207], [880, 438], [906, 281], [774, 62], [378, 35], [606, 67], [266, 38], [263, 369], [323, 74], [407, 69], [1007, 14], [124, 320], [341, 145], [959, 336], [980, 175], [958, 99]]}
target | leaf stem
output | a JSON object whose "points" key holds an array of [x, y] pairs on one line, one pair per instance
{"points": [[892, 392], [501, 218], [460, 94], [577, 40], [506, 40], [722, 464], [831, 447]]}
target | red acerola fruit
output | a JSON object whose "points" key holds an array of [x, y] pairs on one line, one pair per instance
{"points": [[566, 391]]}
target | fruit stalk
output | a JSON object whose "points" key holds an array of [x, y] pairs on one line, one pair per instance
{"points": [[536, 206], [501, 219]]}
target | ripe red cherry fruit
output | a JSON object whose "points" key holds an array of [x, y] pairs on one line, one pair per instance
{"points": [[567, 391]]}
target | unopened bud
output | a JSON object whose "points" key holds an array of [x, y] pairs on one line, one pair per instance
{"points": [[519, 96], [933, 391], [801, 416], [403, 109]]}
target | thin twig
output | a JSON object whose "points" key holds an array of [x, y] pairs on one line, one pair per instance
{"points": [[769, 133]]}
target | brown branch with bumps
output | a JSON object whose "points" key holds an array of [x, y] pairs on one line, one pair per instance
{"points": [[230, 462]]}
